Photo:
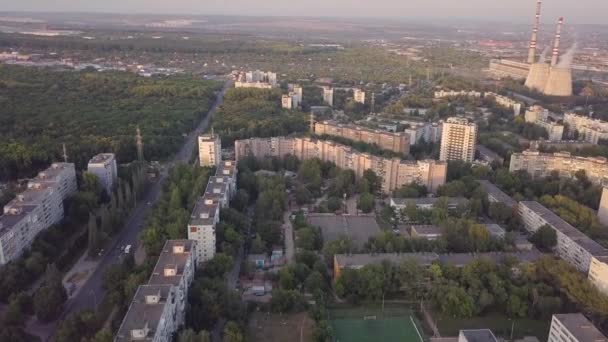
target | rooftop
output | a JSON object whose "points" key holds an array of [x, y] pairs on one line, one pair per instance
{"points": [[208, 137], [495, 229], [175, 255], [478, 335], [102, 158], [53, 171], [8, 221], [452, 201], [204, 212], [498, 194], [360, 128], [565, 228], [142, 313], [580, 327], [427, 230], [484, 151], [457, 259]]}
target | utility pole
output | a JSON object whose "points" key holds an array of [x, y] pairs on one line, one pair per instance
{"points": [[140, 146], [373, 104], [65, 154]]}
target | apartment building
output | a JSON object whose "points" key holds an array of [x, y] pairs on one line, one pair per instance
{"points": [[539, 164], [256, 79], [220, 189], [458, 140], [452, 93], [297, 91], [201, 228], [209, 149], [396, 142], [589, 129], [418, 131], [427, 203], [394, 172], [104, 167], [540, 116], [495, 195], [358, 261], [506, 102], [286, 102], [35, 209], [572, 245], [574, 327], [328, 95], [158, 308], [359, 96]]}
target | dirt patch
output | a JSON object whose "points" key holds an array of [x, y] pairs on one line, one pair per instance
{"points": [[265, 327]]}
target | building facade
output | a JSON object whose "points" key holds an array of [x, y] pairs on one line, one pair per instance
{"points": [[540, 116], [396, 142], [452, 93], [539, 164], [35, 209], [286, 102], [506, 102], [572, 245], [104, 167], [209, 149], [158, 308], [395, 172], [328, 95], [589, 129], [220, 189], [458, 140], [574, 328], [256, 79], [602, 211], [359, 96]]}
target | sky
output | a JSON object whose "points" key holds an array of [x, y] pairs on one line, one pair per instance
{"points": [[575, 11]]}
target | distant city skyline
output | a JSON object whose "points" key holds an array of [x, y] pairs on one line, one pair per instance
{"points": [[581, 11]]}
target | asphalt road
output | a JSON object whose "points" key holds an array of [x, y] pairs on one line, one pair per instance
{"points": [[91, 293]]}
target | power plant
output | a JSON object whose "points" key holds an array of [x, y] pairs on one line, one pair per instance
{"points": [[554, 79]]}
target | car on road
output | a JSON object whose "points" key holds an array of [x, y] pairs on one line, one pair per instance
{"points": [[128, 249]]}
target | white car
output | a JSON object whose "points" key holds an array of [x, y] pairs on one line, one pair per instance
{"points": [[128, 249]]}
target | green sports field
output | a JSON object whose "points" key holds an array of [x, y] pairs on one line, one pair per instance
{"points": [[362, 324]]}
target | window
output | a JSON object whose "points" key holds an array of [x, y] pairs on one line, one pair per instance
{"points": [[193, 229]]}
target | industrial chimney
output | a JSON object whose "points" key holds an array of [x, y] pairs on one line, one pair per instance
{"points": [[533, 39], [558, 36]]}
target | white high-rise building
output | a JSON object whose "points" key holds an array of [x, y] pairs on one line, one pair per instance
{"points": [[328, 95], [359, 96], [209, 149], [458, 140], [286, 102], [201, 227], [104, 167], [574, 327], [35, 209]]}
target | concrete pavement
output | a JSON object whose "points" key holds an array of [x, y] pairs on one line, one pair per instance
{"points": [[91, 293]]}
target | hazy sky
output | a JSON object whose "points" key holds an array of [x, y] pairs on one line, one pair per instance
{"points": [[575, 11]]}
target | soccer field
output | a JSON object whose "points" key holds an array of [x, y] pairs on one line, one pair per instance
{"points": [[362, 325]]}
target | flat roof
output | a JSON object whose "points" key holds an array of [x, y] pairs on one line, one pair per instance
{"points": [[456, 259], [102, 158], [140, 312], [581, 327], [427, 229], [498, 194], [483, 150], [53, 171], [479, 335], [169, 259], [494, 229], [201, 208], [226, 168], [357, 228], [428, 200], [8, 221], [360, 128], [208, 137], [566, 228]]}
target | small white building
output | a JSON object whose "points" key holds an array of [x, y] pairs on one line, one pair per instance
{"points": [[104, 167]]}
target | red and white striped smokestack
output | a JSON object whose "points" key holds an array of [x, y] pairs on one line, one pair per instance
{"points": [[558, 37], [533, 39]]}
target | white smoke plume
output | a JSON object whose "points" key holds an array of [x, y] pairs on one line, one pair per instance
{"points": [[543, 56], [567, 58]]}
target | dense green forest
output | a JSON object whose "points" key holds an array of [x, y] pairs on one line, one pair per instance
{"points": [[250, 112], [92, 112]]}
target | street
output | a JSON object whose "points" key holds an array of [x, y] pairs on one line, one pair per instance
{"points": [[288, 232], [92, 292]]}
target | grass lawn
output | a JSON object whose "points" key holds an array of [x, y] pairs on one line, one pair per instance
{"points": [[498, 323]]}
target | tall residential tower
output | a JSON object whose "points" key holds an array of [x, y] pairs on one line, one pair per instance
{"points": [[458, 140]]}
